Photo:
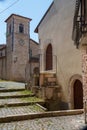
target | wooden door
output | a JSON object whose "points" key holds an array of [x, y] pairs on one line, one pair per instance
{"points": [[78, 95]]}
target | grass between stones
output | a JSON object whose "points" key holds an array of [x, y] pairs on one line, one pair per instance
{"points": [[37, 108], [2, 80], [32, 99], [26, 92]]}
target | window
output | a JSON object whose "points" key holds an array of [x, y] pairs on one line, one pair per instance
{"points": [[21, 28], [10, 29], [49, 58]]}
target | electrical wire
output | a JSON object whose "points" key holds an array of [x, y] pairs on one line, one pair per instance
{"points": [[9, 6]]}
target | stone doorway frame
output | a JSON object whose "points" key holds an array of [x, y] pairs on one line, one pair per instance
{"points": [[71, 85]]}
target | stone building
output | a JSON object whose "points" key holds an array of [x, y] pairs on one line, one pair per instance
{"points": [[3, 61], [60, 60], [15, 55], [32, 68]]}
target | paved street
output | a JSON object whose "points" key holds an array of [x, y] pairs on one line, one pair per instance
{"points": [[10, 111], [75, 122], [53, 123]]}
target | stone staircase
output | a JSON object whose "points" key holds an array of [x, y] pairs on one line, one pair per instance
{"points": [[50, 80], [16, 104]]}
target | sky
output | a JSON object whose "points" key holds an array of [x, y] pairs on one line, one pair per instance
{"points": [[34, 9]]}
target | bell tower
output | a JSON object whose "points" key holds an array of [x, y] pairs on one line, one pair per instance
{"points": [[17, 39]]}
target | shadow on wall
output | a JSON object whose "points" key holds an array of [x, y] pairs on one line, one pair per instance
{"points": [[56, 105], [52, 97], [64, 106]]}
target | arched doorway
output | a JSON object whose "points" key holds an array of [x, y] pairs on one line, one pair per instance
{"points": [[49, 57], [78, 95]]}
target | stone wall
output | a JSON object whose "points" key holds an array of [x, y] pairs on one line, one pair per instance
{"points": [[83, 48], [3, 62], [52, 96], [34, 46], [2, 68]]}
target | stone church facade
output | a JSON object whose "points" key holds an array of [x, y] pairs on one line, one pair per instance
{"points": [[15, 55], [60, 60]]}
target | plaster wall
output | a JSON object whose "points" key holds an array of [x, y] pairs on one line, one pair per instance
{"points": [[56, 28]]}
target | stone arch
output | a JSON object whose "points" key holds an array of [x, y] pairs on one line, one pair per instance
{"points": [[49, 58], [71, 89]]}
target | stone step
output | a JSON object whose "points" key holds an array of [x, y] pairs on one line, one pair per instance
{"points": [[15, 104], [16, 93], [16, 96], [49, 75], [52, 79], [19, 101], [22, 114], [11, 90], [11, 85], [16, 113]]}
